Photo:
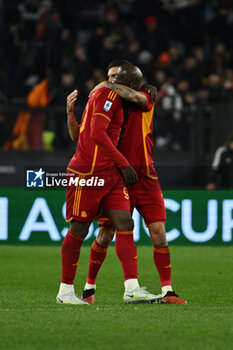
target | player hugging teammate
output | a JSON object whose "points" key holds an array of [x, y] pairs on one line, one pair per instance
{"points": [[116, 146]]}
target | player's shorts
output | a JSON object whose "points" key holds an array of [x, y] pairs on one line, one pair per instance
{"points": [[146, 196], [86, 203]]}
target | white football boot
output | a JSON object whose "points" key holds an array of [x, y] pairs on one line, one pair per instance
{"points": [[66, 295], [140, 295]]}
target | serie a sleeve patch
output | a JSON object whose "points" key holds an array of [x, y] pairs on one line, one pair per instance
{"points": [[107, 106]]}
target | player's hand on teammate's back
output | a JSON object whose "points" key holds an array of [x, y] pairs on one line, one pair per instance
{"points": [[130, 175], [70, 101], [151, 90]]}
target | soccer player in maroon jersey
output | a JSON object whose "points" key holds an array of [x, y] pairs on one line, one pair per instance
{"points": [[146, 195], [98, 157]]}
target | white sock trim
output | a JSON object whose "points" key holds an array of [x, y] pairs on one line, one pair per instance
{"points": [[131, 284], [66, 289], [89, 286], [166, 289]]}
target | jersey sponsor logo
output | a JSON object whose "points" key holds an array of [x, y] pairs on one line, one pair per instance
{"points": [[107, 106]]}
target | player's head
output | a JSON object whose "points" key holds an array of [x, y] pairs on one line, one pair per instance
{"points": [[113, 68], [129, 75]]}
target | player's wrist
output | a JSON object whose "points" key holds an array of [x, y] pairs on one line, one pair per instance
{"points": [[108, 84], [124, 165]]}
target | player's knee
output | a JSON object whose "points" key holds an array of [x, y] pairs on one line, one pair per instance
{"points": [[125, 222], [79, 228], [105, 236], [157, 233]]}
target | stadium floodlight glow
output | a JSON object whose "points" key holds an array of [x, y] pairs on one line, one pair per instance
{"points": [[227, 220], [3, 218], [39, 207], [212, 221]]}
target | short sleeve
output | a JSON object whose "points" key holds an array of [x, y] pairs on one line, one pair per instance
{"points": [[106, 103]]}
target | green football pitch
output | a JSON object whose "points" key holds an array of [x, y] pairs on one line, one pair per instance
{"points": [[30, 318]]}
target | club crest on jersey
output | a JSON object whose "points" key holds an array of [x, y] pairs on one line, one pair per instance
{"points": [[107, 106]]}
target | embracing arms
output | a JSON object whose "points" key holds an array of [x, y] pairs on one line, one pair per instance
{"points": [[129, 94], [124, 92]]}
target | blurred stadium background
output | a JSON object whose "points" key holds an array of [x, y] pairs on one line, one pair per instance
{"points": [[48, 48]]}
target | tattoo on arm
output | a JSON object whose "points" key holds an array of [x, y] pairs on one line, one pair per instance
{"points": [[127, 93]]}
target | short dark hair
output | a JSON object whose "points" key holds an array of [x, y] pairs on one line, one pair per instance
{"points": [[117, 63]]}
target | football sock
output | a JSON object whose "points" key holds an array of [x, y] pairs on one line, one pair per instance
{"points": [[127, 254], [131, 284], [97, 257], [70, 252], [89, 286], [166, 289], [163, 264], [66, 289]]}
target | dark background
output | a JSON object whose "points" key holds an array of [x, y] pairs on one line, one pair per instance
{"points": [[183, 47]]}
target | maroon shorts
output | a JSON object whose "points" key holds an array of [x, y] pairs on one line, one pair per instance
{"points": [[86, 203], [146, 196]]}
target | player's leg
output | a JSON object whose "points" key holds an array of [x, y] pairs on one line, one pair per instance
{"points": [[124, 244], [71, 247], [70, 253], [125, 249], [80, 211], [98, 254], [127, 254], [149, 201], [161, 254]]}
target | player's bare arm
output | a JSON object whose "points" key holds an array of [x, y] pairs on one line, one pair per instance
{"points": [[124, 92], [129, 94], [72, 124], [133, 95]]}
